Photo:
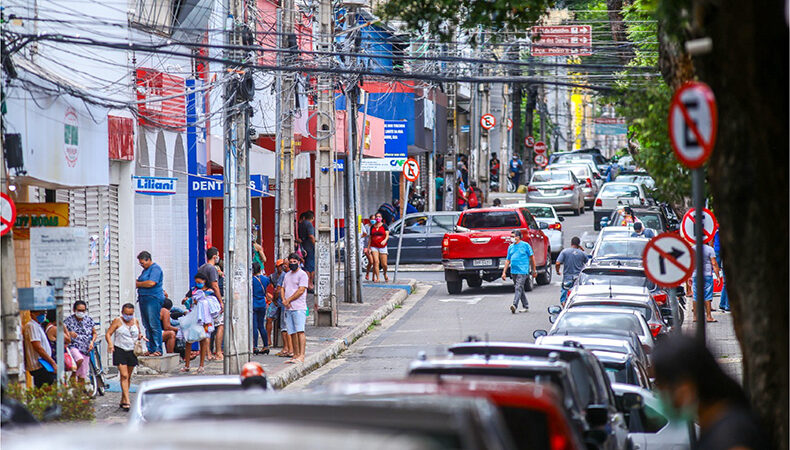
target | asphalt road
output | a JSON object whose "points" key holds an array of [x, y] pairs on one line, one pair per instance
{"points": [[430, 320]]}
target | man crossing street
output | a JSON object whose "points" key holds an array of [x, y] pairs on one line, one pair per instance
{"points": [[521, 261], [574, 260]]}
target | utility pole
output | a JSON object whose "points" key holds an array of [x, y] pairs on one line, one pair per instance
{"points": [[285, 90], [237, 197], [485, 142], [10, 352], [351, 271], [326, 299], [504, 140], [452, 148], [430, 202]]}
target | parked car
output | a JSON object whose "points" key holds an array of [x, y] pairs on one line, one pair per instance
{"points": [[604, 320], [628, 345], [648, 424], [545, 213], [476, 251], [652, 217], [637, 177], [619, 249], [585, 173], [595, 157], [591, 239], [629, 297], [422, 237], [158, 393], [443, 421], [559, 188], [612, 196], [533, 413], [623, 368]]}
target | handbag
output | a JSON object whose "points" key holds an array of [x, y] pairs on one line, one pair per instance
{"points": [[138, 348], [68, 361]]}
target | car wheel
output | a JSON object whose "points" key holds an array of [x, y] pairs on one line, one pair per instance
{"points": [[575, 211], [581, 208], [454, 287], [474, 282], [544, 278]]}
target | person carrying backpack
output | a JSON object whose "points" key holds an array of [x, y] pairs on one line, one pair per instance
{"points": [[471, 195]]}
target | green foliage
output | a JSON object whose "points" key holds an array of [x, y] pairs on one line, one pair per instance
{"points": [[443, 17], [74, 401]]}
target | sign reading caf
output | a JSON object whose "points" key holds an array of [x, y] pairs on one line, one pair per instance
{"points": [[71, 138]]}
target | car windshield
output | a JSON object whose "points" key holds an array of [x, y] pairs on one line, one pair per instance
{"points": [[619, 190], [552, 175], [621, 249], [648, 219], [646, 312], [614, 279], [541, 212], [597, 320], [490, 219]]}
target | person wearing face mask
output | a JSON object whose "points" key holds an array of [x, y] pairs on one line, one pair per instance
{"points": [[379, 235], [83, 335], [211, 275], [123, 333], [38, 352], [693, 387], [294, 290], [198, 324], [515, 168], [521, 261]]}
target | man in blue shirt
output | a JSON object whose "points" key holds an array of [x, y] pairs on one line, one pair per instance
{"points": [[521, 262], [573, 259], [515, 167], [151, 297]]}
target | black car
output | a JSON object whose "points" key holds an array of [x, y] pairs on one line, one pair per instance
{"points": [[422, 237]]}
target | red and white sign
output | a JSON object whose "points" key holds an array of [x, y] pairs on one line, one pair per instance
{"points": [[668, 260], [161, 99], [411, 170], [529, 141], [692, 123], [540, 147], [562, 40], [610, 120], [7, 214], [541, 160], [509, 124], [487, 121], [688, 224]]}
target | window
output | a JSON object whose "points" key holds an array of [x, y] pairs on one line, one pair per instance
{"points": [[529, 219], [541, 212], [416, 225], [601, 321], [491, 219], [619, 190], [630, 249], [443, 223], [552, 176]]}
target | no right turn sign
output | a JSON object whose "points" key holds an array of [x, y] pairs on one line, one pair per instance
{"points": [[668, 260]]}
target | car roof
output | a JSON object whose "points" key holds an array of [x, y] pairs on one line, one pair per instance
{"points": [[611, 357], [607, 265], [604, 310], [566, 353], [492, 362], [198, 382], [491, 209], [614, 302], [614, 289], [531, 205], [587, 340], [621, 183]]}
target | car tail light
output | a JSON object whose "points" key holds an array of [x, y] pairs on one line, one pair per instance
{"points": [[655, 328], [445, 244], [589, 183], [660, 298], [555, 226], [642, 201], [567, 188], [598, 202], [532, 189]]}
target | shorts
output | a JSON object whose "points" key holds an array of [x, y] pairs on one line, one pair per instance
{"points": [[381, 250], [309, 261], [295, 320], [121, 357], [708, 292], [77, 356]]}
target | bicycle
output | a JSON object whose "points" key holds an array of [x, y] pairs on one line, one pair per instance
{"points": [[95, 385]]}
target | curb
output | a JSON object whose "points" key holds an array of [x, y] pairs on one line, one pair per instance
{"points": [[316, 360]]}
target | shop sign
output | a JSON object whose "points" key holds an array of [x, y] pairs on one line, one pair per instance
{"points": [[155, 185], [395, 139], [212, 186], [382, 164], [30, 215]]}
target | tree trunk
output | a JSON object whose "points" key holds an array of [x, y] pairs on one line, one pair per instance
{"points": [[748, 172]]}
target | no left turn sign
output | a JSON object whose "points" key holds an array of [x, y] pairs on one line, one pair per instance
{"points": [[487, 121], [692, 123], [509, 124], [689, 222], [668, 260], [529, 141], [411, 170], [7, 214]]}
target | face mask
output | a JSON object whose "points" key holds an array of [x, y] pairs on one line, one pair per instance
{"points": [[41, 318], [200, 285], [127, 317], [685, 413], [293, 267], [80, 314]]}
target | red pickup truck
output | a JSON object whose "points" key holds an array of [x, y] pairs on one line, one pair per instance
{"points": [[476, 251]]}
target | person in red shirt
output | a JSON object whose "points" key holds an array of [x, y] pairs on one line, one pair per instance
{"points": [[379, 235]]}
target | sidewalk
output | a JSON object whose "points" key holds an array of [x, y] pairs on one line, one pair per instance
{"points": [[721, 340], [323, 345]]}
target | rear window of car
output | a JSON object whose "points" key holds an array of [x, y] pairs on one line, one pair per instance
{"points": [[646, 311], [619, 190], [625, 249], [596, 320], [541, 212], [614, 279], [579, 171], [528, 428], [619, 375], [552, 175], [490, 219], [649, 220]]}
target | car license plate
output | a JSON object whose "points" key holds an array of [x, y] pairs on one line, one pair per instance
{"points": [[550, 191], [482, 262]]}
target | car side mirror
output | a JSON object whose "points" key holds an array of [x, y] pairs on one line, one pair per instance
{"points": [[539, 333], [554, 309], [543, 225], [562, 219], [604, 222], [597, 415], [552, 319], [632, 400]]}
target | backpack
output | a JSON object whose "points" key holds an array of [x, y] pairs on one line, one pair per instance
{"points": [[473, 199]]}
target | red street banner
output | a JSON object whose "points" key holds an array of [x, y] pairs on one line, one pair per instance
{"points": [[563, 40]]}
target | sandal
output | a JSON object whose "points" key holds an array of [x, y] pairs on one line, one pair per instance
{"points": [[184, 370], [201, 370], [126, 407]]}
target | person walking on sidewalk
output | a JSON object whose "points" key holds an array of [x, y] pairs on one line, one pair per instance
{"points": [[121, 337], [573, 259], [295, 301], [259, 303], [379, 235], [709, 266], [521, 262], [150, 296], [209, 272]]}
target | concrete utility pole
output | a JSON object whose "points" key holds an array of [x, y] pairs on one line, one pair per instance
{"points": [[10, 352], [485, 141], [351, 271], [451, 155], [285, 90], [430, 202], [325, 297], [504, 139], [237, 201]]}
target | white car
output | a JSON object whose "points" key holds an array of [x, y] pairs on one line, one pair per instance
{"points": [[614, 195], [574, 320], [545, 213], [652, 428]]}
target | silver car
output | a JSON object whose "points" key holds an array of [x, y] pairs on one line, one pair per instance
{"points": [[585, 174], [545, 213], [615, 195], [615, 249], [652, 429], [559, 188], [603, 318]]}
